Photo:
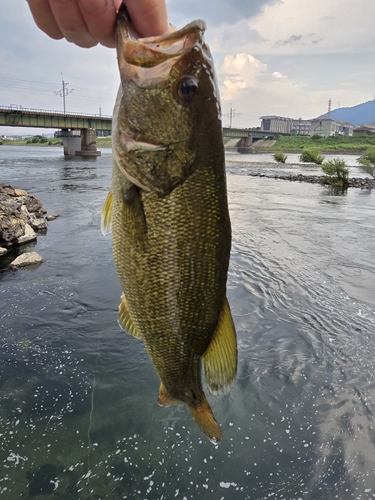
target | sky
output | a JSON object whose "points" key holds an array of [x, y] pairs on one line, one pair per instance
{"points": [[272, 57]]}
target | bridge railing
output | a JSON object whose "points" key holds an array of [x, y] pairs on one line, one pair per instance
{"points": [[15, 108]]}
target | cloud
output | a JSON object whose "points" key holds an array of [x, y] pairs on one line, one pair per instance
{"points": [[216, 12], [248, 84]]}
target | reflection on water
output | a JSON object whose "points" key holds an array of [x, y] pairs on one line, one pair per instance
{"points": [[78, 411]]}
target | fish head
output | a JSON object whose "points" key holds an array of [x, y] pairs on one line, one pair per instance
{"points": [[167, 117]]}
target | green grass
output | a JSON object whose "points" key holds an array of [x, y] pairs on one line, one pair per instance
{"points": [[359, 142]]}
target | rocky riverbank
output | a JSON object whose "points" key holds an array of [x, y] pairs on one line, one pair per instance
{"points": [[356, 182], [22, 217]]}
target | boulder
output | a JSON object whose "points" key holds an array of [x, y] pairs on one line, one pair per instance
{"points": [[3, 251], [29, 235], [52, 217], [20, 214], [27, 259]]}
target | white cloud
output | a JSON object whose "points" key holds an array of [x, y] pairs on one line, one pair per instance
{"points": [[302, 26]]}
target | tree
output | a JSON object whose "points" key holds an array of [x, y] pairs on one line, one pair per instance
{"points": [[280, 157], [311, 156], [368, 158], [337, 173]]}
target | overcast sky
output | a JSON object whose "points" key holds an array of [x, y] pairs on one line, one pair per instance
{"points": [[282, 57]]}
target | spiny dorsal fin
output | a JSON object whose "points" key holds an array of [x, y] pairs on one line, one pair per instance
{"points": [[220, 359], [125, 320], [107, 214]]}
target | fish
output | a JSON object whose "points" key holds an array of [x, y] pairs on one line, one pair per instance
{"points": [[168, 213]]}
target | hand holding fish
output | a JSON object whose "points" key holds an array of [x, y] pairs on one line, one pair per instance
{"points": [[89, 22]]}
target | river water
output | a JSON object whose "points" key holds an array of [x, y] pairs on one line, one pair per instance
{"points": [[78, 404]]}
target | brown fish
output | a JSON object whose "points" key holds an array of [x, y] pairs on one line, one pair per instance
{"points": [[168, 210]]}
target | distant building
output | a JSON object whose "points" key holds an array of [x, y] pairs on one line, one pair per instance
{"points": [[278, 124], [364, 129], [327, 127], [301, 127], [284, 125]]}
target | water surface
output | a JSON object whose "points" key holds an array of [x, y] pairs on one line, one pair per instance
{"points": [[78, 411]]}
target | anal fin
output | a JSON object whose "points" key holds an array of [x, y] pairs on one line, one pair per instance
{"points": [[220, 358], [125, 320]]}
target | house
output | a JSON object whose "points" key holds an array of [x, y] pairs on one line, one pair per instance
{"points": [[327, 127]]}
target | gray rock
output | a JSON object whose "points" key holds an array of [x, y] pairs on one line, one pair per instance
{"points": [[52, 217], [28, 236], [38, 222], [27, 259], [3, 251]]}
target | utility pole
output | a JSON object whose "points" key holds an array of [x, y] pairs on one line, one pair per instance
{"points": [[231, 115], [329, 106], [64, 92]]}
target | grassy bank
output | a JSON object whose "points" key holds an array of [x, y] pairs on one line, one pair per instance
{"points": [[104, 142], [334, 144], [26, 142]]}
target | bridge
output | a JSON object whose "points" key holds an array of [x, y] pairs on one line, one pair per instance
{"points": [[78, 130], [18, 116]]}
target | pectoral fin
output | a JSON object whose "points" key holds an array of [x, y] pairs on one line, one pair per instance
{"points": [[220, 359], [125, 320], [107, 214]]}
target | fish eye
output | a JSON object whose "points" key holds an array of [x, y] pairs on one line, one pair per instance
{"points": [[187, 88]]}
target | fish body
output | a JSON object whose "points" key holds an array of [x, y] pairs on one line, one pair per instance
{"points": [[168, 210]]}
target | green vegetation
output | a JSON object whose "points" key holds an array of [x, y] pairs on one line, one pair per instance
{"points": [[355, 143], [104, 142], [337, 173], [311, 156], [34, 141], [280, 157], [317, 138], [367, 158]]}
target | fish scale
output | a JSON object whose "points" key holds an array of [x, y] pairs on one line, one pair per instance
{"points": [[168, 209]]}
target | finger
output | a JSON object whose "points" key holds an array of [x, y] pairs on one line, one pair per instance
{"points": [[71, 22], [44, 18], [99, 17], [149, 17]]}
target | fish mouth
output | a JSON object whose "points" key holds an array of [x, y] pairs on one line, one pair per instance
{"points": [[157, 53]]}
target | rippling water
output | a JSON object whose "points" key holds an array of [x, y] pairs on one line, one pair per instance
{"points": [[78, 411]]}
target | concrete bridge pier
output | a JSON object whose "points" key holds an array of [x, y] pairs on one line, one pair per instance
{"points": [[246, 145], [79, 142]]}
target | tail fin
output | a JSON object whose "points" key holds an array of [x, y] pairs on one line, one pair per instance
{"points": [[206, 421]]}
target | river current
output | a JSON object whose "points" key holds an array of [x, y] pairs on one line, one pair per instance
{"points": [[78, 403]]}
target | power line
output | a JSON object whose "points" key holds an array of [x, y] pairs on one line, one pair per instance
{"points": [[64, 91]]}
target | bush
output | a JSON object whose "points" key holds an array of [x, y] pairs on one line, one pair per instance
{"points": [[280, 157], [337, 172], [316, 138], [43, 140], [311, 156], [35, 140], [368, 158]]}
